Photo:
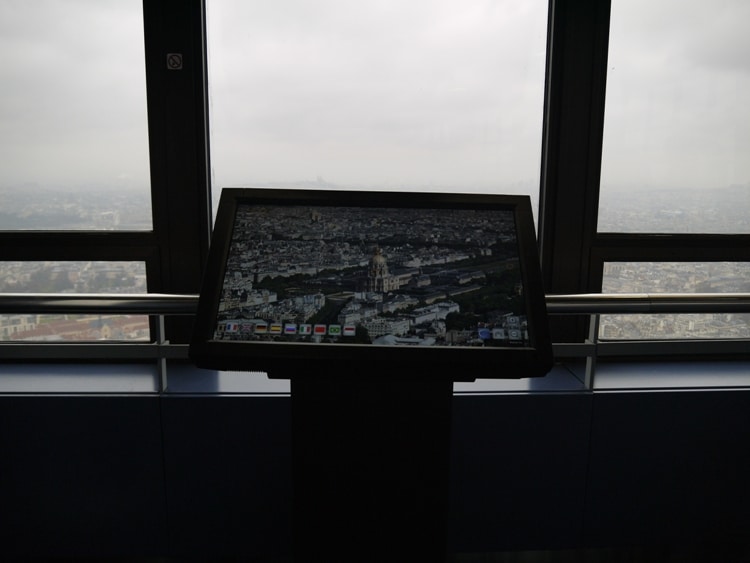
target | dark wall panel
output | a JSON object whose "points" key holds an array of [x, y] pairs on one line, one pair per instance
{"points": [[669, 467], [518, 471], [89, 476], [81, 476], [228, 472]]}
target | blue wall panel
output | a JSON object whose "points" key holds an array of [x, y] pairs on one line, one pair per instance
{"points": [[669, 468], [518, 471], [228, 474], [207, 476], [81, 476]]}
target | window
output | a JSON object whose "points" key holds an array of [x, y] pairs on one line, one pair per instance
{"points": [[677, 123], [674, 173], [104, 142], [74, 138], [73, 277], [676, 277], [73, 126], [308, 96], [385, 95]]}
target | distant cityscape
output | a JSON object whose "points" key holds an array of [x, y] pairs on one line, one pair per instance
{"points": [[32, 207], [73, 277], [688, 211], [721, 210], [676, 277]]}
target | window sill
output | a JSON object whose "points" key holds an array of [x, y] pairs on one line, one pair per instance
{"points": [[623, 376], [184, 379], [79, 378]]}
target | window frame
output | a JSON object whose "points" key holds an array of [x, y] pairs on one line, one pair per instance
{"points": [[577, 46], [572, 251], [175, 249]]}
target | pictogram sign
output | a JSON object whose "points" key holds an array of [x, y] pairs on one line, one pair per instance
{"points": [[174, 61]]}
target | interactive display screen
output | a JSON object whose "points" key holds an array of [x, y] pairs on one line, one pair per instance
{"points": [[441, 281]]}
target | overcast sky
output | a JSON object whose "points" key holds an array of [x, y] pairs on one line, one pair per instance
{"points": [[72, 94], [390, 93], [445, 94], [677, 110]]}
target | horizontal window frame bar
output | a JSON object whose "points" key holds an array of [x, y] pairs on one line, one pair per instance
{"points": [[94, 351], [708, 239], [106, 246], [622, 349], [150, 351], [694, 347], [666, 247]]}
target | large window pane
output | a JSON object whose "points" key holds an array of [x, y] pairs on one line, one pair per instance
{"points": [[411, 95], [676, 277], [73, 130], [73, 277], [677, 124]]}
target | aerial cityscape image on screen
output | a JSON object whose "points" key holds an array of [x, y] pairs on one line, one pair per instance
{"points": [[382, 276]]}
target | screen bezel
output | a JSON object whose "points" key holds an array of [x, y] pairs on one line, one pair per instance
{"points": [[460, 363]]}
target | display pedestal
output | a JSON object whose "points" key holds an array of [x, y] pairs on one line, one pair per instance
{"points": [[371, 463]]}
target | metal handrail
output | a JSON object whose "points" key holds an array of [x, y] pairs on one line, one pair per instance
{"points": [[161, 305], [648, 303], [186, 304], [72, 303]]}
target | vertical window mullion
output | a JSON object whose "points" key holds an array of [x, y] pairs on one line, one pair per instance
{"points": [[178, 132], [574, 115]]}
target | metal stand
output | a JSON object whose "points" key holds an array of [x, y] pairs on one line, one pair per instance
{"points": [[371, 463]]}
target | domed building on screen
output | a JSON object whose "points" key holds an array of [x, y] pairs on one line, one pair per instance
{"points": [[379, 280]]}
